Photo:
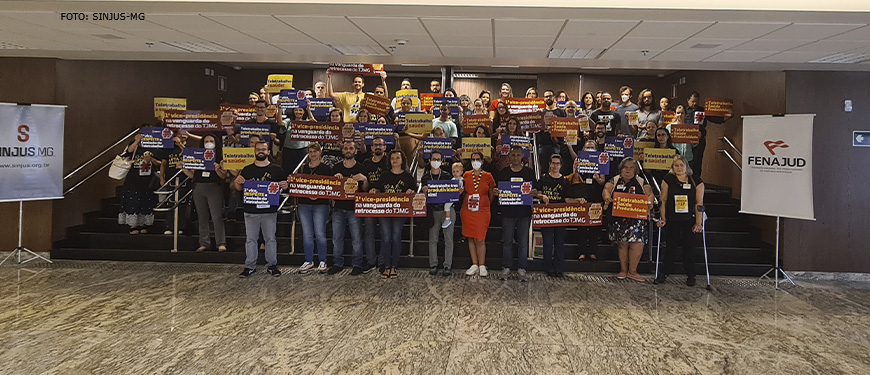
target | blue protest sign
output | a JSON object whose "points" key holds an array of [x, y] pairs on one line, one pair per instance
{"points": [[619, 146], [512, 193], [156, 137], [593, 162], [262, 194], [442, 145], [443, 191], [198, 159]]}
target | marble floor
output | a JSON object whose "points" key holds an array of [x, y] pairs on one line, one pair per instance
{"points": [[145, 318]]}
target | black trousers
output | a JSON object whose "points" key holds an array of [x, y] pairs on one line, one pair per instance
{"points": [[679, 233], [588, 239]]}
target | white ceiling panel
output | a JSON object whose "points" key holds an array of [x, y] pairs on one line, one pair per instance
{"points": [[7, 23], [738, 30], [186, 22], [628, 54], [794, 57], [461, 51], [857, 34], [412, 40], [225, 35], [832, 46], [250, 23], [307, 49], [51, 45], [685, 55], [646, 43], [739, 56], [417, 51], [98, 45], [343, 38], [537, 53], [311, 24], [397, 26], [528, 27], [598, 28], [769, 45], [723, 44], [258, 48], [444, 29], [585, 42], [800, 31], [287, 37], [162, 34], [516, 41], [667, 29], [49, 19]]}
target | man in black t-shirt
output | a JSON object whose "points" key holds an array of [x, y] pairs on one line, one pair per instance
{"points": [[516, 221], [554, 188], [259, 218], [374, 166], [343, 215], [262, 119], [437, 212], [603, 115]]}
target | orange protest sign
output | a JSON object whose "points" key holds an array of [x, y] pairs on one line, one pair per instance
{"points": [[631, 206], [685, 134], [378, 105], [718, 107], [471, 122], [427, 100]]}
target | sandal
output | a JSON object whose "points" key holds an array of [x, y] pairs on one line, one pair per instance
{"points": [[637, 278], [621, 276], [134, 231], [386, 274], [143, 231], [582, 257], [393, 273], [222, 249], [593, 258], [200, 249]]}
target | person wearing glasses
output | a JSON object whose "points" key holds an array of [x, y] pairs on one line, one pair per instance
{"points": [[554, 188]]}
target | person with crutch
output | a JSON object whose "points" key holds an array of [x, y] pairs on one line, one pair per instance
{"points": [[682, 215]]}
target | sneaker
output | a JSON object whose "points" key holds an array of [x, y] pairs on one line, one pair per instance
{"points": [[322, 267], [248, 272], [505, 273], [522, 275], [356, 271], [446, 271], [472, 270], [483, 272], [305, 267], [334, 270], [366, 268], [446, 223], [180, 232], [167, 231], [274, 271], [433, 271], [690, 281]]}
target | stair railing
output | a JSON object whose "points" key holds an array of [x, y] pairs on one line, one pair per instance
{"points": [[292, 209], [93, 159], [727, 154]]}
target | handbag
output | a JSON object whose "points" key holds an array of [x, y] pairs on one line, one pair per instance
{"points": [[120, 167]]}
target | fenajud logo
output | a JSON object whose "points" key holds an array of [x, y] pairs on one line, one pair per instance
{"points": [[773, 145], [780, 163]]}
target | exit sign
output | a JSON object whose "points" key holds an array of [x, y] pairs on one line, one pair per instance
{"points": [[861, 138]]}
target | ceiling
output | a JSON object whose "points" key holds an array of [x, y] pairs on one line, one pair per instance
{"points": [[493, 38]]}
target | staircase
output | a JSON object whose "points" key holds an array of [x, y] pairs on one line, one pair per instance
{"points": [[734, 247]]}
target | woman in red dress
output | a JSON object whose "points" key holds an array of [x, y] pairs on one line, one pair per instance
{"points": [[475, 213]]}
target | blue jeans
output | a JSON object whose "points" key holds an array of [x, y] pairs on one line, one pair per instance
{"points": [[340, 219], [391, 237], [371, 252], [313, 218], [554, 249], [254, 224], [515, 228]]}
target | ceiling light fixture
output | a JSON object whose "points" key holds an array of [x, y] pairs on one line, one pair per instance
{"points": [[843, 58], [199, 47], [412, 65], [505, 66]]}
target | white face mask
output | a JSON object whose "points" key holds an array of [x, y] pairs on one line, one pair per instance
{"points": [[436, 164], [209, 145], [625, 98], [476, 164]]}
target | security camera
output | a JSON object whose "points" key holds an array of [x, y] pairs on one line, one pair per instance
{"points": [[401, 42]]}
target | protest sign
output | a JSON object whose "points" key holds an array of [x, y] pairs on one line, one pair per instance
{"points": [[197, 159], [619, 146], [442, 191], [325, 132], [427, 100], [515, 193], [390, 205], [452, 103], [690, 134], [658, 158], [471, 145], [320, 106], [326, 187], [594, 162], [375, 104], [153, 137], [415, 100], [263, 194], [290, 99], [442, 145], [260, 130], [471, 122], [509, 141], [277, 82], [531, 122], [238, 158], [420, 123], [519, 105], [559, 126], [370, 131], [639, 147], [357, 69], [631, 206], [197, 122], [163, 104], [669, 117], [566, 215], [718, 107]]}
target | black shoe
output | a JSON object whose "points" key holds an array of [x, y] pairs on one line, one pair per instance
{"points": [[356, 271], [248, 272], [433, 271], [381, 270], [274, 271], [446, 271], [559, 274], [690, 281], [551, 274], [661, 279], [366, 268], [334, 270]]}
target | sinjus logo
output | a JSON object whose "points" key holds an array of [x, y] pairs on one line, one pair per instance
{"points": [[23, 133], [772, 145]]}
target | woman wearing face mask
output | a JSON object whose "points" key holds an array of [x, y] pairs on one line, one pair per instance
{"points": [[682, 217], [588, 186], [475, 212], [504, 93], [629, 235], [208, 197]]}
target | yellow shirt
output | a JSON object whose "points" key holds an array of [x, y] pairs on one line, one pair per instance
{"points": [[348, 103]]}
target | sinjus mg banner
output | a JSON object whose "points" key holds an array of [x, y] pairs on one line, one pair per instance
{"points": [[31, 152], [778, 166]]}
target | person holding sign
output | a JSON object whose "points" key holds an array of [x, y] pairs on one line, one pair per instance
{"points": [[506, 92], [513, 128], [374, 166], [588, 186], [343, 215], [684, 149], [516, 221], [440, 214], [170, 166], [445, 122], [682, 217], [262, 119], [349, 102], [500, 116], [261, 217], [137, 195], [294, 151], [629, 235], [588, 103], [603, 115], [647, 112], [553, 187], [395, 181], [313, 213], [208, 197], [479, 192], [625, 106], [695, 115]]}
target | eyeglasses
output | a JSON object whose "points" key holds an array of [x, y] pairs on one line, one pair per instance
{"points": [[571, 107]]}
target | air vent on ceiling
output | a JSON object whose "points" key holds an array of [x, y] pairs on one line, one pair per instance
{"points": [[705, 45], [199, 47], [574, 53], [7, 45], [843, 58], [108, 36], [359, 50]]}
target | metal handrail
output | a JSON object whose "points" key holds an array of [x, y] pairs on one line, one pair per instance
{"points": [[287, 198], [161, 208], [728, 142], [99, 155], [168, 181], [726, 153], [94, 173], [655, 199]]}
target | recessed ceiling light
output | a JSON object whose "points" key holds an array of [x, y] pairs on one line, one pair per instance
{"points": [[705, 45], [843, 58], [504, 66], [199, 47], [7, 45], [413, 65], [107, 36], [574, 53]]}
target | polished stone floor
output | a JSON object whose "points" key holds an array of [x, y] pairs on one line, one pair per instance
{"points": [[145, 318]]}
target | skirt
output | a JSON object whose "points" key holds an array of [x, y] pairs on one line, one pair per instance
{"points": [[137, 207], [628, 230]]}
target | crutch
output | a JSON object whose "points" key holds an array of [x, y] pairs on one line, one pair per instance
{"points": [[704, 236], [658, 248]]}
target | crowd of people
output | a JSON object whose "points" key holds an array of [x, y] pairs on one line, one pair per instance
{"points": [[376, 243]]}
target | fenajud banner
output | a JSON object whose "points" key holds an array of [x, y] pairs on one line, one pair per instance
{"points": [[631, 206], [567, 215], [262, 194], [323, 187], [154, 138], [390, 205]]}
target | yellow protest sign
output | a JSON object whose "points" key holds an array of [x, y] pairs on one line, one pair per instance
{"points": [[277, 82], [639, 146], [471, 145], [415, 100], [420, 123], [658, 158], [162, 104], [238, 158]]}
